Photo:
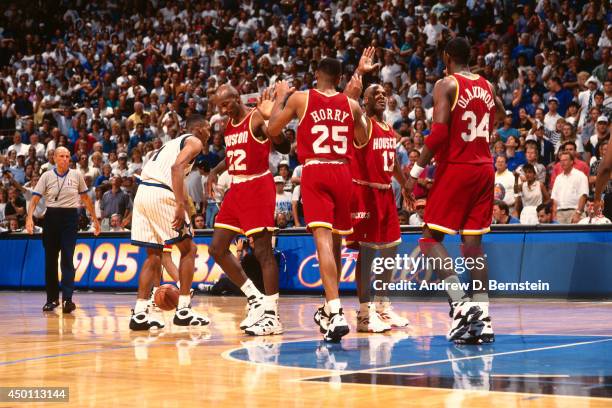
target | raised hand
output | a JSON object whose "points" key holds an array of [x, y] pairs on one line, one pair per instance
{"points": [[283, 90], [365, 62], [354, 86], [265, 103]]}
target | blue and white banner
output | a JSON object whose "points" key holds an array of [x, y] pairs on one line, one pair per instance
{"points": [[571, 263]]}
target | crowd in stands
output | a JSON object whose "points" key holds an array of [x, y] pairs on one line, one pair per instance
{"points": [[113, 80]]}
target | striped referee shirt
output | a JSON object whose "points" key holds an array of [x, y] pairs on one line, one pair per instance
{"points": [[61, 190]]}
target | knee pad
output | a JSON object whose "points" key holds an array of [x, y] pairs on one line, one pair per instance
{"points": [[426, 243]]}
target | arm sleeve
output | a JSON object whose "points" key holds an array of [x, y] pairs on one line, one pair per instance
{"points": [[439, 135]]}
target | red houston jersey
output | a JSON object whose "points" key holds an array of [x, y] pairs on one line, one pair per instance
{"points": [[374, 162], [326, 129], [471, 124], [245, 155]]}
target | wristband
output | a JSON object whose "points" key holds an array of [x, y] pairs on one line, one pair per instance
{"points": [[416, 171]]}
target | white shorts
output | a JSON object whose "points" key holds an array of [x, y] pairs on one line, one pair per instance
{"points": [[152, 217]]}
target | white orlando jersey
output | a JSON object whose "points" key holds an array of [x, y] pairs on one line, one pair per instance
{"points": [[159, 168]]}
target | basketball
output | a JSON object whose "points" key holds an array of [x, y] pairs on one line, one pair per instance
{"points": [[166, 297]]}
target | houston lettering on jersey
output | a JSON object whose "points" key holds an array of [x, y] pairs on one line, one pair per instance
{"points": [[236, 138], [476, 92], [384, 143]]}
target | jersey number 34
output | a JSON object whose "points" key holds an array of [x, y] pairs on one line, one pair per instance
{"points": [[475, 130]]}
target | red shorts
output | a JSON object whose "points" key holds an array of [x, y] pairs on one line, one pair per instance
{"points": [[326, 196], [374, 217], [461, 199], [248, 206]]}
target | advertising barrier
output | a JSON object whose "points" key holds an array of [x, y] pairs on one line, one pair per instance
{"points": [[547, 262]]}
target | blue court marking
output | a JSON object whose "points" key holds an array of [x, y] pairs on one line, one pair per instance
{"points": [[510, 354], [74, 353]]}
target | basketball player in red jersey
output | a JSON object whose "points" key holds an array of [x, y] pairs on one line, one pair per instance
{"points": [[461, 199], [247, 208], [328, 123], [373, 210]]}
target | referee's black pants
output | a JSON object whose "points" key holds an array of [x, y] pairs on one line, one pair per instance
{"points": [[59, 235]]}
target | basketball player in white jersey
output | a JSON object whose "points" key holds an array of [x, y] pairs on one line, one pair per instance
{"points": [[160, 217]]}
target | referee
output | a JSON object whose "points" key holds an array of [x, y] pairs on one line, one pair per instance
{"points": [[61, 188]]}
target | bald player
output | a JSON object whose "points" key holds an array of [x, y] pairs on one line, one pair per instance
{"points": [[373, 211], [247, 208], [329, 122]]}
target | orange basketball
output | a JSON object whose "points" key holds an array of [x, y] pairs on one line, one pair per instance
{"points": [[166, 297]]}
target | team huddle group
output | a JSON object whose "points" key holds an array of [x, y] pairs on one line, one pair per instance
{"points": [[348, 153]]}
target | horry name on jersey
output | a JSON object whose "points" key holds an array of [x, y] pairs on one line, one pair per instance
{"points": [[476, 92], [236, 138], [329, 114]]}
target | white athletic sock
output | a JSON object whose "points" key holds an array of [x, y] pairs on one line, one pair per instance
{"points": [[271, 302], [334, 306], [141, 306], [481, 297], [456, 294], [184, 301], [364, 308], [249, 289]]}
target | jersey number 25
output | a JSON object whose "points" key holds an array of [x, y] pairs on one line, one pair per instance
{"points": [[482, 130], [321, 145]]}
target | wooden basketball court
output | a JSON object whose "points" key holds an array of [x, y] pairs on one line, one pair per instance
{"points": [[547, 354]]}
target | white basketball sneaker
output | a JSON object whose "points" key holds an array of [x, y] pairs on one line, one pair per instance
{"points": [[255, 312], [321, 318], [188, 317], [464, 313], [481, 330], [337, 327], [370, 321], [390, 317], [268, 325]]}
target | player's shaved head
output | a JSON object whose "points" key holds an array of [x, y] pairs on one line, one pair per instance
{"points": [[370, 90], [227, 99], [226, 91], [374, 100]]}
